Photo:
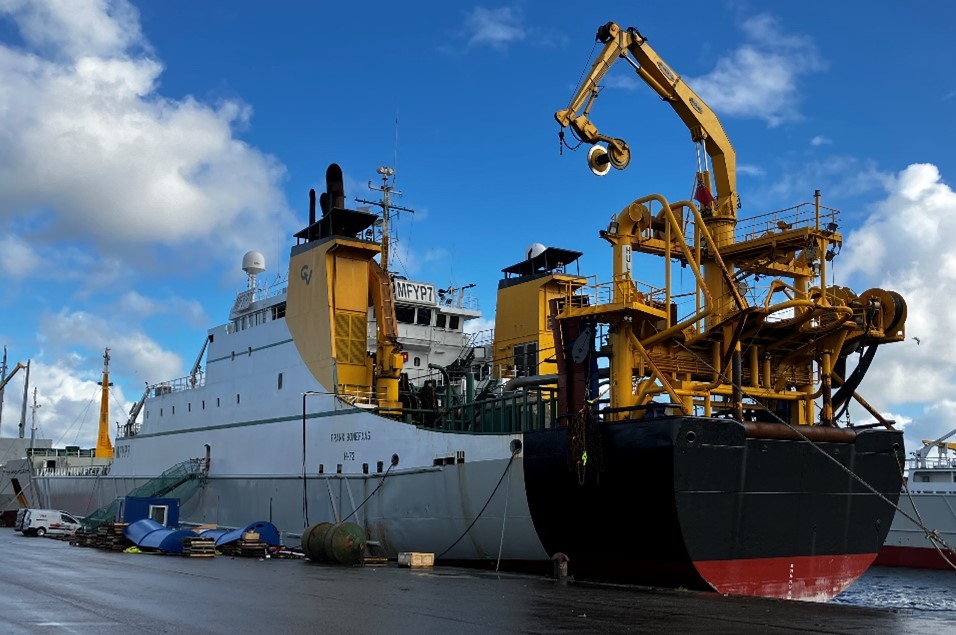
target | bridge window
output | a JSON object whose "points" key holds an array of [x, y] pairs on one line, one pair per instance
{"points": [[441, 320], [280, 381], [424, 317], [454, 322], [405, 314], [526, 359], [278, 311]]}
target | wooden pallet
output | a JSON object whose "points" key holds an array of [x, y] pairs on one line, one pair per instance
{"points": [[194, 547]]}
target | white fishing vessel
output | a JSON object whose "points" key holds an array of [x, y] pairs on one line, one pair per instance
{"points": [[703, 410], [929, 499]]}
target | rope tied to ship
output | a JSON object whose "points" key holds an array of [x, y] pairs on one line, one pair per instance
{"points": [[932, 535], [367, 498], [514, 453]]}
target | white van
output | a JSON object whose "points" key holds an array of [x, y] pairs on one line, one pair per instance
{"points": [[40, 522]]}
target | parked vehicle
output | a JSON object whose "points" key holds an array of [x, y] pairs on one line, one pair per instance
{"points": [[18, 523], [40, 522]]}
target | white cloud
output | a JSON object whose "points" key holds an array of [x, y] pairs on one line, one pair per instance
{"points": [[750, 170], [820, 140], [132, 352], [68, 396], [759, 79], [497, 28], [17, 257], [89, 148], [904, 246]]}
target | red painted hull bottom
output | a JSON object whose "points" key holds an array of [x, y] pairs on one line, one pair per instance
{"points": [[914, 557], [813, 578]]}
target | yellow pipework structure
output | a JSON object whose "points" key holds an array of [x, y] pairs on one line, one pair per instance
{"points": [[725, 355]]}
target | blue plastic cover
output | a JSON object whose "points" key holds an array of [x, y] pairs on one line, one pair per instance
{"points": [[213, 533], [149, 534], [267, 533], [168, 540], [138, 530]]}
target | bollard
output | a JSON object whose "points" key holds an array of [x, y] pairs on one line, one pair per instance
{"points": [[560, 565]]}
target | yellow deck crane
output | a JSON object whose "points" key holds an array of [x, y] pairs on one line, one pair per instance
{"points": [[784, 351]]}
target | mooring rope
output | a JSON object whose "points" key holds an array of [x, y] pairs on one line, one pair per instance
{"points": [[514, 453], [377, 487]]}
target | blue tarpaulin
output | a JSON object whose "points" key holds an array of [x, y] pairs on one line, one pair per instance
{"points": [[149, 534], [266, 530]]}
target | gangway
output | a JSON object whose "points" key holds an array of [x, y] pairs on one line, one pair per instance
{"points": [[184, 479]]}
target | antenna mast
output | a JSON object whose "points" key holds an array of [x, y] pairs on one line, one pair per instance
{"points": [[33, 419], [104, 448], [3, 384], [386, 204]]}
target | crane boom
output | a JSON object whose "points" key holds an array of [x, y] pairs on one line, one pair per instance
{"points": [[7, 379], [703, 124]]}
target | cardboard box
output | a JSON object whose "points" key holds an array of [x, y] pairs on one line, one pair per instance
{"points": [[416, 559]]}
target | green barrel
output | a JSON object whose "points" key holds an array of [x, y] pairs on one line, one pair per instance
{"points": [[345, 544], [313, 542]]}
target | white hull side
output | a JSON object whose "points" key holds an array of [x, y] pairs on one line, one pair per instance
{"points": [[413, 510], [938, 512]]}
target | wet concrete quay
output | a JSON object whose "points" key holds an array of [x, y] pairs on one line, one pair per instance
{"points": [[48, 586]]}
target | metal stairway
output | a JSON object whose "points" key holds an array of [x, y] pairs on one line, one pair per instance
{"points": [[183, 479]]}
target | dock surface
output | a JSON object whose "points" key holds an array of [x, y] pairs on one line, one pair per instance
{"points": [[49, 586]]}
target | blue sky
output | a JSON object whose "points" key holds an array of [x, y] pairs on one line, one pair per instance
{"points": [[146, 146]]}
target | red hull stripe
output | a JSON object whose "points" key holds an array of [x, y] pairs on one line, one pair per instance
{"points": [[913, 557], [818, 578]]}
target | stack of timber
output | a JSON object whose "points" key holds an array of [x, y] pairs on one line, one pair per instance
{"points": [[374, 554], [250, 545], [114, 538], [198, 547], [109, 536]]}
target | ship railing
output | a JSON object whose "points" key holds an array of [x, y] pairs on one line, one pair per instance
{"points": [[481, 338], [68, 451], [179, 384], [75, 470], [360, 395], [797, 217], [623, 288], [533, 408], [932, 462]]}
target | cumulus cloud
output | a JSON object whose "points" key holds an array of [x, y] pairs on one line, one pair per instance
{"points": [[17, 257], [760, 78], [90, 149], [820, 140], [133, 353], [496, 28], [904, 246], [68, 398]]}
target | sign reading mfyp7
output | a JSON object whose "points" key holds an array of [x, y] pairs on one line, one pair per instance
{"points": [[414, 292]]}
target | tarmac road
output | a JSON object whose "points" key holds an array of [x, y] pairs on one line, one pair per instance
{"points": [[48, 586]]}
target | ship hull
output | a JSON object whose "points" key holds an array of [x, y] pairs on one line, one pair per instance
{"points": [[696, 503], [907, 545], [677, 501]]}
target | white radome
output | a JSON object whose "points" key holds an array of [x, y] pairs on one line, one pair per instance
{"points": [[253, 263], [533, 250]]}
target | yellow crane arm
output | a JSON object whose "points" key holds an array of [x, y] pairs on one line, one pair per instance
{"points": [[703, 124]]}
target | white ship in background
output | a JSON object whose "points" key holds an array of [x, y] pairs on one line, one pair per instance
{"points": [[929, 496]]}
